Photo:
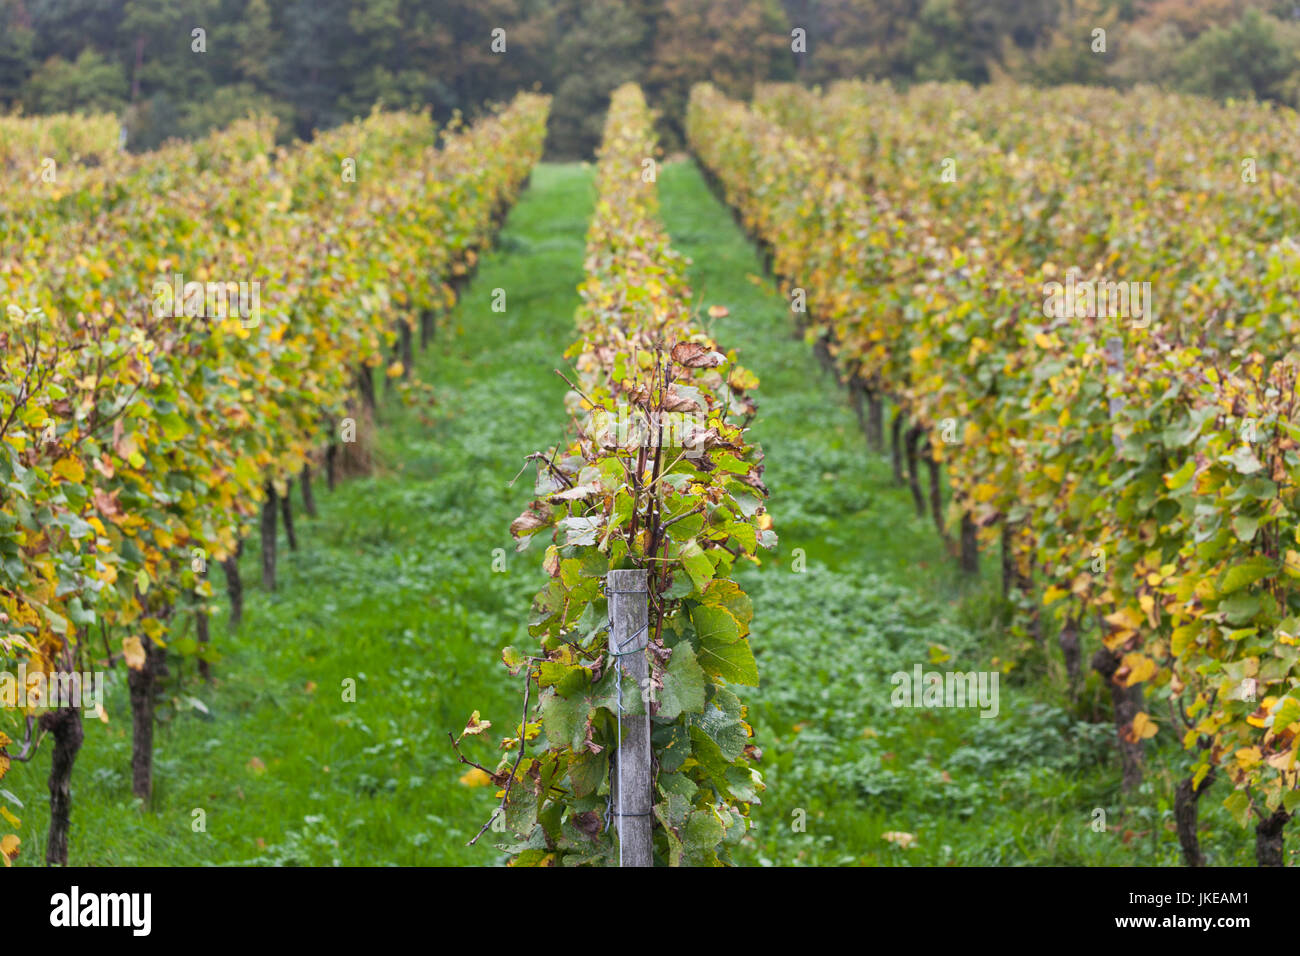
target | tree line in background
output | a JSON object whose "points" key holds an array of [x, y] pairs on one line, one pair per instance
{"points": [[317, 63]]}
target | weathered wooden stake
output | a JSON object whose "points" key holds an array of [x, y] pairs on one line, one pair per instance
{"points": [[269, 515], [629, 615]]}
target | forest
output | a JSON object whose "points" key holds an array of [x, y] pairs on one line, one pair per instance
{"points": [[183, 67]]}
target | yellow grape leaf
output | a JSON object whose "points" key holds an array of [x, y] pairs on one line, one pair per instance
{"points": [[1117, 639], [69, 469], [1128, 618], [1053, 594], [1282, 761], [13, 820], [474, 777], [9, 848], [475, 725], [1140, 668], [742, 379], [1144, 727], [1183, 637], [133, 651], [1291, 563]]}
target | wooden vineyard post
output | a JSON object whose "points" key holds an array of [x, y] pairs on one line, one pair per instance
{"points": [[629, 616]]}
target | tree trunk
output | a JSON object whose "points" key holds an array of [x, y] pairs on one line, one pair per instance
{"points": [[408, 350], [1186, 808], [1069, 642], [911, 439], [822, 349], [234, 588], [936, 491], [286, 511], [970, 549], [64, 725], [366, 385], [201, 629], [1269, 850], [875, 421], [268, 538], [426, 328], [1126, 701], [857, 395], [308, 499], [896, 441], [141, 683], [331, 460]]}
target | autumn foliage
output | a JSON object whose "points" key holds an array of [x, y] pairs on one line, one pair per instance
{"points": [[138, 433], [1139, 464]]}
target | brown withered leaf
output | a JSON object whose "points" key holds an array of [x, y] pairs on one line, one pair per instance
{"points": [[676, 402], [576, 493], [106, 504], [588, 823], [640, 395], [754, 481], [527, 523], [695, 355]]}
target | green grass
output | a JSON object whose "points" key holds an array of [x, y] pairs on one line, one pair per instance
{"points": [[393, 586]]}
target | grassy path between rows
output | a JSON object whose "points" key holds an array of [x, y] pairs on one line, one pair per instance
{"points": [[393, 586]]}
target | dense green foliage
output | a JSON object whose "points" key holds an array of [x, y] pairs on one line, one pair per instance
{"points": [[317, 63], [137, 438], [290, 775], [1141, 460]]}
